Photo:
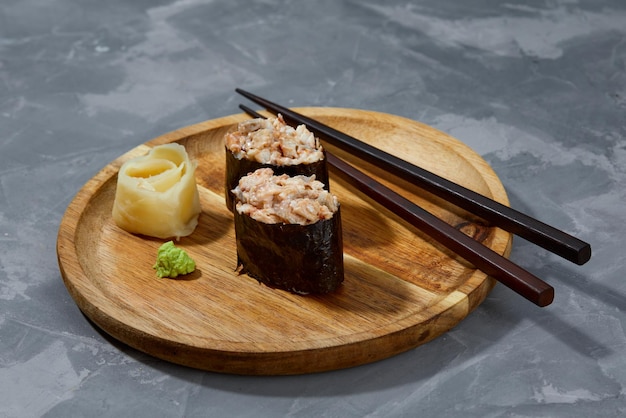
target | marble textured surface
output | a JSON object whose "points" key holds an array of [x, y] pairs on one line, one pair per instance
{"points": [[537, 87]]}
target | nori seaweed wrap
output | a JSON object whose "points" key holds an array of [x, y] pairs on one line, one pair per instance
{"points": [[300, 258], [270, 143]]}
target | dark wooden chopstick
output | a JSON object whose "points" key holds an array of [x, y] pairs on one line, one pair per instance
{"points": [[497, 214], [488, 261]]}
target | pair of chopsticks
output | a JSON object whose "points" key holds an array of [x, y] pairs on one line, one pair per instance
{"points": [[488, 261]]}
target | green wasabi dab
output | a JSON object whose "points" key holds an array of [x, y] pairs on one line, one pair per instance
{"points": [[173, 261]]}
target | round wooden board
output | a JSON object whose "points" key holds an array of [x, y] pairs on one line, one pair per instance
{"points": [[401, 289]]}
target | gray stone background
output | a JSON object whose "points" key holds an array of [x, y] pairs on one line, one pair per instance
{"points": [[537, 87]]}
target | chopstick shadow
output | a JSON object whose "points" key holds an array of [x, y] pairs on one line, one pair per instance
{"points": [[564, 277], [556, 326], [599, 291]]}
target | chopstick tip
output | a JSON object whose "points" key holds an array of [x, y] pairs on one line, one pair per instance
{"points": [[546, 297], [584, 255], [250, 112], [244, 93]]}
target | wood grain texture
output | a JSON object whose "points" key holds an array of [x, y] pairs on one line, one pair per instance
{"points": [[401, 289]]}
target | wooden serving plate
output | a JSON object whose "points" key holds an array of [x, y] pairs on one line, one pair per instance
{"points": [[401, 289]]}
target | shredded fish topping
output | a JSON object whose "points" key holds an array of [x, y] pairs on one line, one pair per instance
{"points": [[283, 199], [272, 141]]}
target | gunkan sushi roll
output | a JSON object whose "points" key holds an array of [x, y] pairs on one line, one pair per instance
{"points": [[271, 143], [288, 232]]}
